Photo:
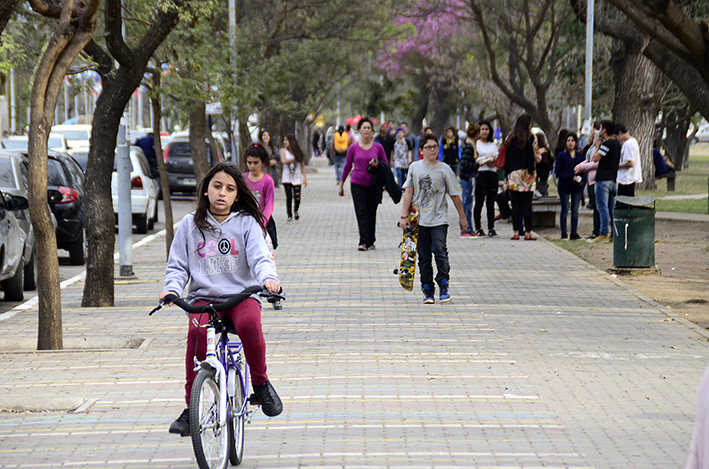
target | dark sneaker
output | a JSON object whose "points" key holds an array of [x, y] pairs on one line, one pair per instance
{"points": [[479, 232], [362, 247], [297, 216], [290, 219], [492, 233], [445, 296], [574, 236], [181, 426], [564, 236], [427, 295], [269, 400], [371, 248]]}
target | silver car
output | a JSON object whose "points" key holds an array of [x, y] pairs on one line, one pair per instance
{"points": [[12, 242], [14, 174]]}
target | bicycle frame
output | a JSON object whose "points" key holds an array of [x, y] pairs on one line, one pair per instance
{"points": [[231, 353]]}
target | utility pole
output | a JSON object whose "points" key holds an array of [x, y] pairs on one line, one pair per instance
{"points": [[590, 7], [125, 215]]}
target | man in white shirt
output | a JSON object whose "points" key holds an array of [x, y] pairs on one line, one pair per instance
{"points": [[629, 169]]}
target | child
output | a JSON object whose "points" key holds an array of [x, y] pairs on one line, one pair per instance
{"points": [[262, 186], [219, 250], [293, 174], [427, 184]]}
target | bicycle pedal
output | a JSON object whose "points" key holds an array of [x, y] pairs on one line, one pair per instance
{"points": [[253, 400]]}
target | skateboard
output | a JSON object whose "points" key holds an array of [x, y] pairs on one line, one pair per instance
{"points": [[407, 265]]}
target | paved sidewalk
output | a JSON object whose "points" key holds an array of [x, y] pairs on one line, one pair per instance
{"points": [[541, 360]]}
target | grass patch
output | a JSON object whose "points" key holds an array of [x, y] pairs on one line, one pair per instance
{"points": [[574, 247], [683, 206]]}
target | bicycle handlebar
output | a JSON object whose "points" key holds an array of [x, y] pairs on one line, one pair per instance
{"points": [[233, 301]]}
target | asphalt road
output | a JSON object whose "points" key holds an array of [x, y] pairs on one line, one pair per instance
{"points": [[181, 205]]}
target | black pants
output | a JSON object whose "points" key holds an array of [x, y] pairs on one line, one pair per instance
{"points": [[292, 194], [485, 191], [366, 201], [503, 203], [626, 189], [521, 202]]}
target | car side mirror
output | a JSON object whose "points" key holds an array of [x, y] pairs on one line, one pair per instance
{"points": [[53, 197], [20, 203]]}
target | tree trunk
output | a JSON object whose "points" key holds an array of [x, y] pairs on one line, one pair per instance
{"points": [[422, 109], [637, 102], [71, 37], [198, 142], [164, 183]]}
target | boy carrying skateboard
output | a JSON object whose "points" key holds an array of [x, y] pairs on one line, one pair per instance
{"points": [[426, 186]]}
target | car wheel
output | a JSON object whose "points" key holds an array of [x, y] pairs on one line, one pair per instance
{"points": [[155, 217], [151, 224], [14, 285], [77, 253], [31, 273], [141, 224]]}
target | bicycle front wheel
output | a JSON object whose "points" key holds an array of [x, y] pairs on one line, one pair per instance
{"points": [[209, 439], [237, 419]]}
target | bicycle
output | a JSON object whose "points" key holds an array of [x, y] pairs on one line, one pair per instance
{"points": [[218, 398]]}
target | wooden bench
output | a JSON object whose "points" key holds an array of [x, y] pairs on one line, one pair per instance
{"points": [[544, 210], [670, 180]]}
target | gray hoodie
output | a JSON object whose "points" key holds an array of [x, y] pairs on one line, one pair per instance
{"points": [[228, 259]]}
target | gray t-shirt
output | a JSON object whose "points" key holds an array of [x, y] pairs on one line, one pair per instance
{"points": [[431, 184]]}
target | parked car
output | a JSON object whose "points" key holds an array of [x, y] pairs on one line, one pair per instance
{"points": [[702, 134], [77, 135], [12, 242], [21, 142], [81, 155], [180, 167], [143, 193], [14, 177], [66, 177]]}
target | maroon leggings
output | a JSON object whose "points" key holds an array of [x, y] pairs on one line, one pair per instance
{"points": [[246, 318]]}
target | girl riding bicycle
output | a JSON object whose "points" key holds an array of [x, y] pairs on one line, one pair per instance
{"points": [[218, 251]]}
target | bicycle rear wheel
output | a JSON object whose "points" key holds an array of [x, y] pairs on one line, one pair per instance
{"points": [[209, 439], [236, 422]]}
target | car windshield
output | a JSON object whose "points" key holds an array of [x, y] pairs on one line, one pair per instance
{"points": [[74, 134], [6, 175], [15, 144], [81, 157], [55, 142]]}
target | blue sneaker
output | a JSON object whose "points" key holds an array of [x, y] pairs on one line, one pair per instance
{"points": [[427, 295], [445, 296]]}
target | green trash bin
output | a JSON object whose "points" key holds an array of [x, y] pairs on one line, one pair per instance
{"points": [[634, 232]]}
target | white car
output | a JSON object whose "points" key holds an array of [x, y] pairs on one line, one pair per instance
{"points": [[12, 243], [77, 135], [144, 192], [56, 142]]}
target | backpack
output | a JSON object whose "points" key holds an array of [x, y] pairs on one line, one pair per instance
{"points": [[341, 141]]}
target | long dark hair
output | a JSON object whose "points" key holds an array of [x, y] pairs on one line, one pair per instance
{"points": [[257, 150], [295, 148], [245, 202], [522, 132], [490, 135]]}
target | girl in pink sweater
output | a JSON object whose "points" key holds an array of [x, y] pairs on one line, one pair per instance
{"points": [[262, 186]]}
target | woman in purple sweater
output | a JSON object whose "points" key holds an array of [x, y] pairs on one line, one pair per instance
{"points": [[365, 197]]}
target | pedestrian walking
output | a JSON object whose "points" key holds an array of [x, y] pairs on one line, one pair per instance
{"points": [[449, 149], [219, 250], [366, 198], [426, 186], [486, 180], [262, 187], [316, 143], [630, 171], [467, 172], [544, 166], [274, 160], [340, 143], [294, 176], [402, 157], [608, 158], [386, 140], [520, 165], [570, 185]]}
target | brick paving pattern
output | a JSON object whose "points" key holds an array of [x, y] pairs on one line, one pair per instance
{"points": [[540, 361]]}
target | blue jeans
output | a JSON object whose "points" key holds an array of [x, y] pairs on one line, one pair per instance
{"points": [[432, 242], [596, 216], [401, 176], [467, 198], [339, 163], [575, 204], [605, 199]]}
